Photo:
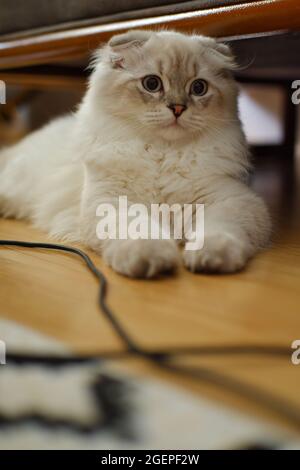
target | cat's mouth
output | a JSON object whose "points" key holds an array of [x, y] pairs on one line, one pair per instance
{"points": [[174, 124]]}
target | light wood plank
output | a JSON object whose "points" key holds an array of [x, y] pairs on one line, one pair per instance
{"points": [[55, 294]]}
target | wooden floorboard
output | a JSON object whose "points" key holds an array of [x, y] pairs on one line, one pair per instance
{"points": [[55, 294]]}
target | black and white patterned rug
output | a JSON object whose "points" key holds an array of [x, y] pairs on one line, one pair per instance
{"points": [[94, 404]]}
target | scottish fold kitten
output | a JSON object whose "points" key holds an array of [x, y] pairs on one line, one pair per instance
{"points": [[158, 124]]}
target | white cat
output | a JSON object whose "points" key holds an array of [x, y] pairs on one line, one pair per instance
{"points": [[159, 124]]}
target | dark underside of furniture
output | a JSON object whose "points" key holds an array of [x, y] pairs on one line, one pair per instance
{"points": [[17, 17], [52, 47], [67, 41]]}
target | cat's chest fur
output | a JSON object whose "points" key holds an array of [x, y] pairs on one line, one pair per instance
{"points": [[174, 176], [149, 173]]}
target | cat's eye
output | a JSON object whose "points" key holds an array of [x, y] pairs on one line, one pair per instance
{"points": [[199, 87], [152, 83]]}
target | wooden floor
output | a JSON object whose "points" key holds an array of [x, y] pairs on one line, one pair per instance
{"points": [[55, 294]]}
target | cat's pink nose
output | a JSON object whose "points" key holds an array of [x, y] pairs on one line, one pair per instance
{"points": [[177, 109]]}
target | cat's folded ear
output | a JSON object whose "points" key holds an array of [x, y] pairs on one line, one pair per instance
{"points": [[123, 49], [134, 38], [220, 53]]}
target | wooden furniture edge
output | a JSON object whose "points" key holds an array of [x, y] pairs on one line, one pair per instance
{"points": [[232, 20]]}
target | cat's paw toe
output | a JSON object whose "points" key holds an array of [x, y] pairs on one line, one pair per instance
{"points": [[221, 252], [142, 258]]}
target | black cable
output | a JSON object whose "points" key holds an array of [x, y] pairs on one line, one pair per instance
{"points": [[101, 278], [163, 358]]}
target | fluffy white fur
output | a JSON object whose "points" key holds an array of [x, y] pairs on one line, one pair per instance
{"points": [[124, 140]]}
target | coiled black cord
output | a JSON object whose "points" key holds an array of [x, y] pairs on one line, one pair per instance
{"points": [[164, 359]]}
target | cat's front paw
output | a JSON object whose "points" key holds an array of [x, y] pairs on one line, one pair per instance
{"points": [[142, 258], [221, 252]]}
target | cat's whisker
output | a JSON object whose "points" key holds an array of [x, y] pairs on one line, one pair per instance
{"points": [[153, 112], [213, 118], [192, 123]]}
